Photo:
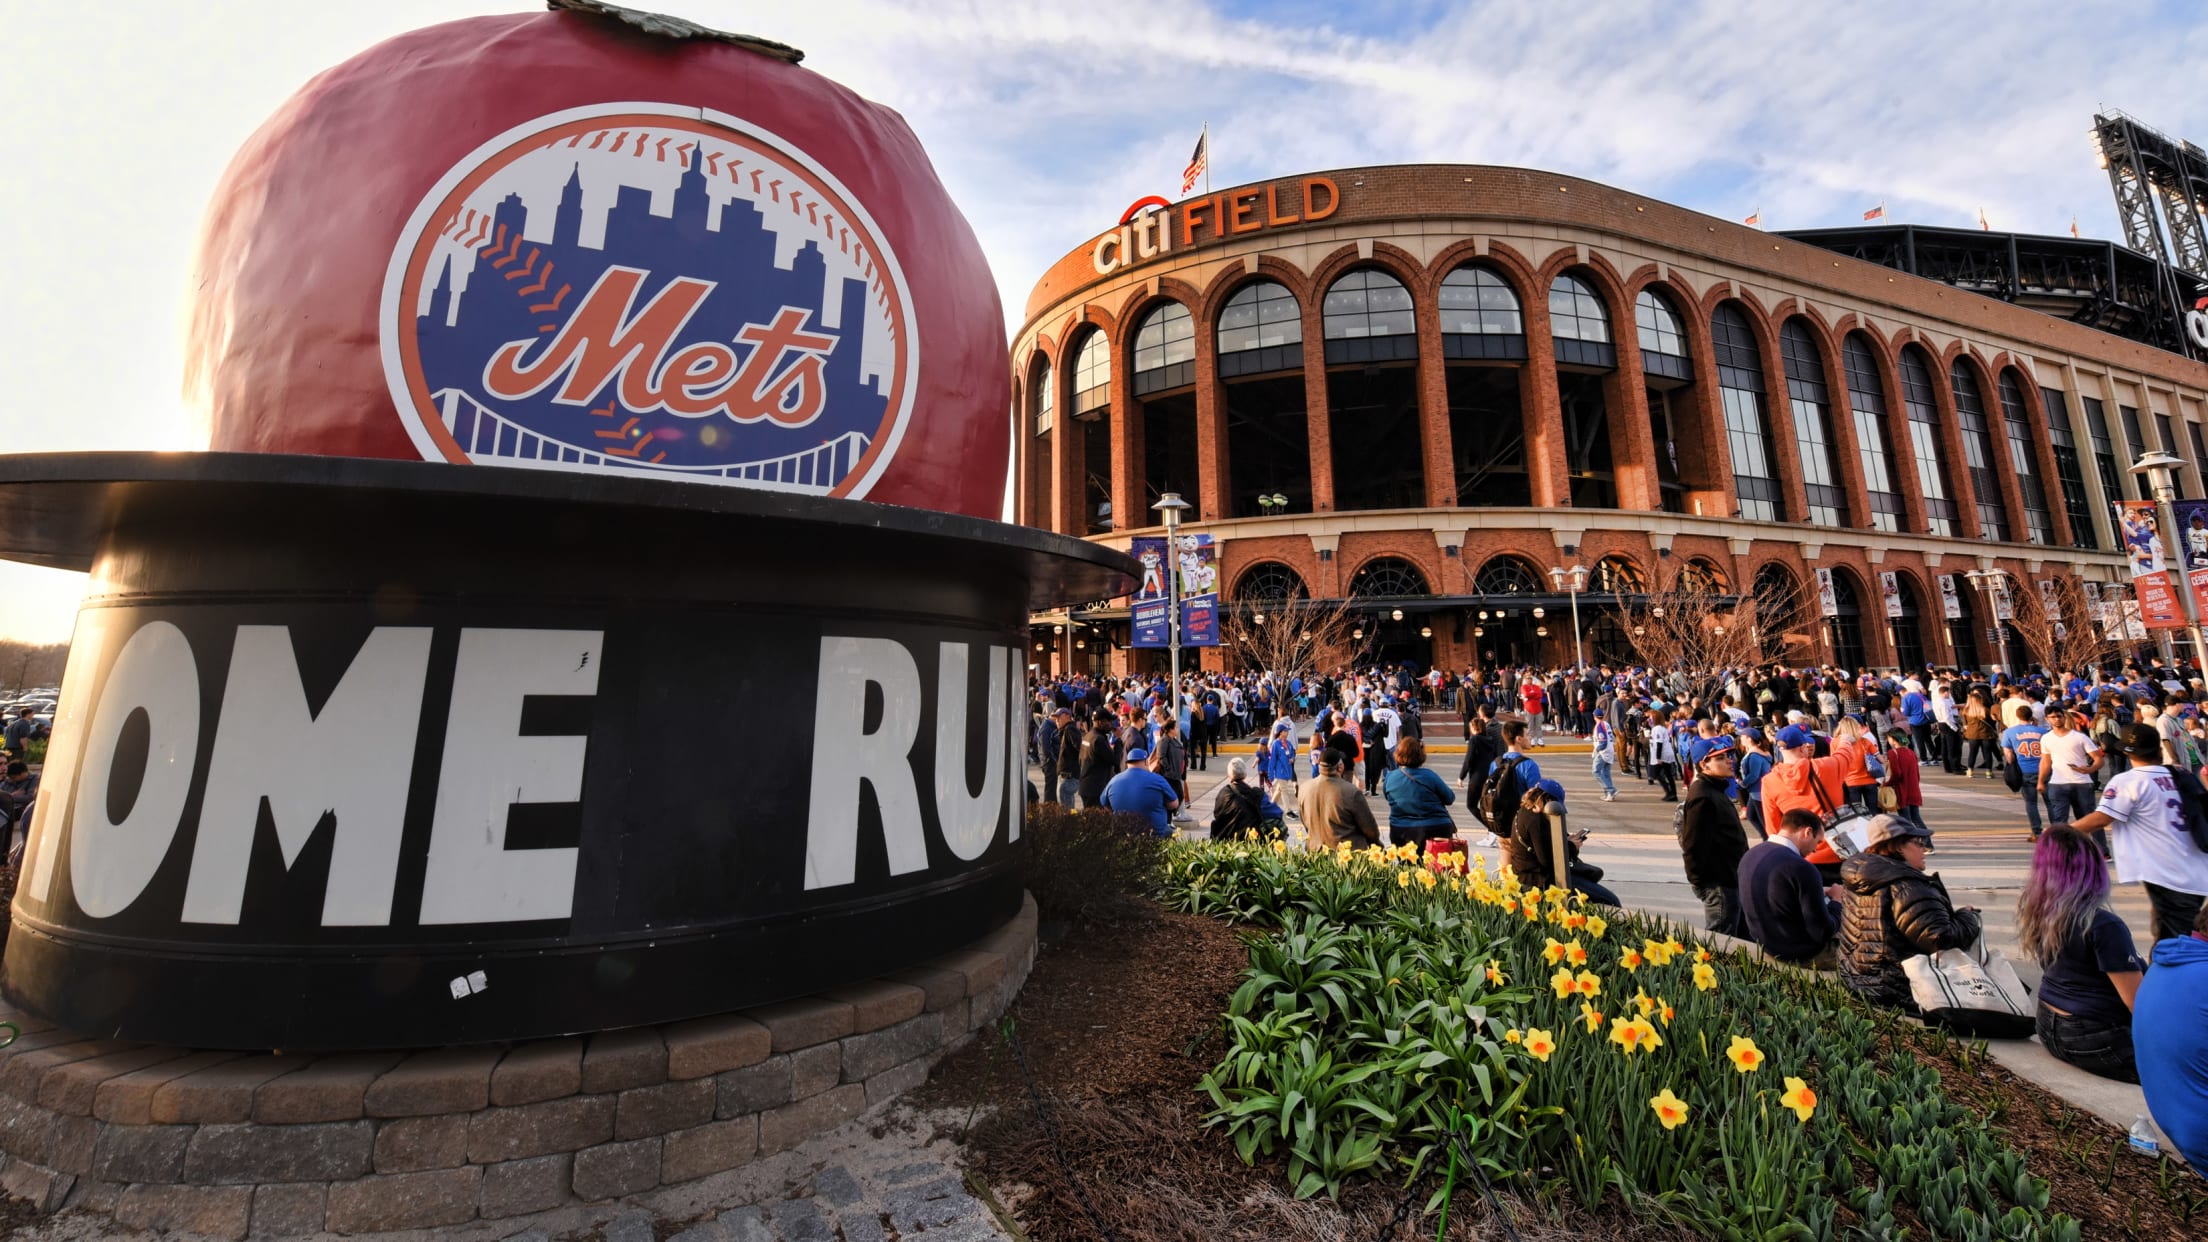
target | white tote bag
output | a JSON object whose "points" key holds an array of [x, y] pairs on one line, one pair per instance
{"points": [[1974, 990]]}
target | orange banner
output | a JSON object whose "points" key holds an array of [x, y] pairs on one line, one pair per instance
{"points": [[2158, 606]]}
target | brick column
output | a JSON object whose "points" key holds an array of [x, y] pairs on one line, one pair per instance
{"points": [[1314, 405], [1632, 444], [1698, 430], [1957, 463], [1543, 411], [1433, 410], [1211, 432], [1903, 458], [1847, 450], [1786, 452]]}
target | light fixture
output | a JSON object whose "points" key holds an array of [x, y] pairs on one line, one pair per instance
{"points": [[1425, 631], [1057, 629], [1541, 630], [1539, 613], [1307, 636], [1038, 646], [1638, 631], [1358, 633], [1658, 610], [1721, 631], [1259, 618], [1483, 614], [1479, 631], [1396, 615], [1081, 644]]}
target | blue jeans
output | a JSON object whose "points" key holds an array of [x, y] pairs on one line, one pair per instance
{"points": [[2031, 805], [1602, 776], [2068, 802]]}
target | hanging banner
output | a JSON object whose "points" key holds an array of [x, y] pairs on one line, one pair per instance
{"points": [[2004, 609], [2048, 603], [1889, 585], [2191, 517], [1828, 599], [1951, 604], [2150, 579], [1195, 561]]}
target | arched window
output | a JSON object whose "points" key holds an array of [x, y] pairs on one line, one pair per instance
{"points": [[1269, 582], [1260, 330], [1811, 405], [1970, 413], [1747, 429], [1480, 317], [1607, 642], [1579, 325], [1918, 402], [1867, 406], [1701, 576], [1663, 342], [1962, 629], [1779, 608], [1847, 623], [1092, 374], [2039, 523], [1909, 626], [1507, 575], [1615, 575], [1367, 318], [1165, 350], [1040, 398], [1387, 577]]}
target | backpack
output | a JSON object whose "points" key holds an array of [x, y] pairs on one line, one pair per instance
{"points": [[1501, 794], [2192, 800]]}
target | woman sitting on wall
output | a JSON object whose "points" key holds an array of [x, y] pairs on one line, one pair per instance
{"points": [[2092, 969]]}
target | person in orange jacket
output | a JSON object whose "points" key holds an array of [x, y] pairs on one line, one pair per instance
{"points": [[1803, 781]]}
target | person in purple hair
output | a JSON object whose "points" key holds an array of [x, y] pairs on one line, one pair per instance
{"points": [[2092, 969]]}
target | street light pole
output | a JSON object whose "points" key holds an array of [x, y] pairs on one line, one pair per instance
{"points": [[1172, 506], [2160, 466], [1988, 580], [1573, 581]]}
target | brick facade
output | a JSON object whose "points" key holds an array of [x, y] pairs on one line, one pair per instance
{"points": [[1417, 224]]}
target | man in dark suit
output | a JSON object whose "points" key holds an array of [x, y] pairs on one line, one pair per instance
{"points": [[1789, 911]]}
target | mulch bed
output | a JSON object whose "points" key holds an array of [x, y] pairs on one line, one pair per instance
{"points": [[1118, 1024]]}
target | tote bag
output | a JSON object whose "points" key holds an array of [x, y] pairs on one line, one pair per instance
{"points": [[1972, 990]]}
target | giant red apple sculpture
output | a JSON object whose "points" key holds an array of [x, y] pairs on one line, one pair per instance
{"points": [[557, 241]]}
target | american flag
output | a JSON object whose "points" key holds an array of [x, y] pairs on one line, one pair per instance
{"points": [[1198, 160], [1754, 217], [1876, 213]]}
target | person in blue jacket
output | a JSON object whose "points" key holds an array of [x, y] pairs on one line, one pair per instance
{"points": [[1418, 799], [1276, 765], [2169, 1034]]}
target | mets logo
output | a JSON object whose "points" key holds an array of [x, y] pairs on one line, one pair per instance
{"points": [[649, 290]]}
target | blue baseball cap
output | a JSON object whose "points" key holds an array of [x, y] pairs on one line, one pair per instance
{"points": [[1751, 733], [1706, 748], [1793, 736], [1137, 755], [1551, 789]]}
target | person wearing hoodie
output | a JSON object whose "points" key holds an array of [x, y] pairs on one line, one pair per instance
{"points": [[2170, 1041], [1711, 840], [1895, 911]]}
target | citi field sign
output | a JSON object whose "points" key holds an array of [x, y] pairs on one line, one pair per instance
{"points": [[1144, 234]]}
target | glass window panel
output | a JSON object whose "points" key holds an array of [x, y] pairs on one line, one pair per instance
{"points": [[1476, 301], [2069, 469], [2038, 522], [1970, 413], [1261, 315], [1167, 336], [1747, 429], [1811, 405], [1919, 403], [1367, 303], [1575, 313], [1658, 325], [1040, 398], [1092, 373], [1867, 407]]}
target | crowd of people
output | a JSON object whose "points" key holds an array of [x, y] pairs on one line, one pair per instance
{"points": [[1799, 809]]}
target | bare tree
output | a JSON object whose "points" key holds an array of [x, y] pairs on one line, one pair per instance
{"points": [[2071, 641], [1296, 636], [24, 665], [1692, 635]]}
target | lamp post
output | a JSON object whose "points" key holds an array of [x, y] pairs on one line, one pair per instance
{"points": [[1573, 580], [1991, 581], [1171, 506], [2160, 467]]}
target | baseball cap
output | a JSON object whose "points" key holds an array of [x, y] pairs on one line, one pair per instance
{"points": [[1553, 790], [2143, 741], [1750, 733], [1795, 735], [1711, 747], [1137, 755], [1888, 827]]}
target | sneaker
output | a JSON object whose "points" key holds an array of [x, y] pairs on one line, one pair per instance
{"points": [[1612, 796]]}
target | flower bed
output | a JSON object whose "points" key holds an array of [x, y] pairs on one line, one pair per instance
{"points": [[1401, 1020]]}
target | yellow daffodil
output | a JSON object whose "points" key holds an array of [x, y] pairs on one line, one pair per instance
{"points": [[1402, 879], [1513, 1035], [1540, 1043], [1701, 954], [1552, 952], [1633, 1033], [1705, 977], [1672, 948], [1553, 895], [1631, 961], [1663, 1007], [1495, 974], [1510, 904], [1799, 1098], [1575, 954], [1588, 984], [1563, 983], [1591, 1016], [1532, 912], [1596, 925], [1643, 1002], [1745, 1056], [1574, 921], [1670, 1109], [1429, 879]]}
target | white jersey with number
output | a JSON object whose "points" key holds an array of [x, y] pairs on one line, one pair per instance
{"points": [[2148, 832]]}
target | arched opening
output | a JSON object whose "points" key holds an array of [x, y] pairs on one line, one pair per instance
{"points": [[1504, 627], [1091, 409], [1269, 582], [1579, 328], [1985, 483], [1164, 379], [1919, 403], [1961, 614], [1616, 575], [1666, 372], [1041, 398], [1608, 643], [1781, 614], [1702, 576], [1909, 650], [1260, 347], [1747, 423], [2039, 522], [1846, 624], [2016, 654], [1372, 392], [1483, 339], [1385, 582], [1873, 446], [1811, 405]]}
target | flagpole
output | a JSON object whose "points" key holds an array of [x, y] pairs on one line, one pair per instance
{"points": [[1206, 136]]}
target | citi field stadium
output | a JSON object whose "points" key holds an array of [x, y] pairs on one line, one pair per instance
{"points": [[1425, 389]]}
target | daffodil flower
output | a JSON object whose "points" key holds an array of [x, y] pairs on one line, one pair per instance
{"points": [[1799, 1098], [1596, 925], [1670, 1109], [1705, 978], [1588, 983], [1514, 1035], [1575, 954], [1591, 1016], [1631, 961], [1540, 1044], [1745, 1056], [1552, 952], [1563, 983]]}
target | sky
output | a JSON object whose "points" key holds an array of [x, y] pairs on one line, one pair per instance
{"points": [[1045, 120]]}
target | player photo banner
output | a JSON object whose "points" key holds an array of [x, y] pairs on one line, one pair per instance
{"points": [[2191, 517], [1889, 585], [2049, 604], [1195, 559], [2150, 578], [1951, 604], [1828, 599]]}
